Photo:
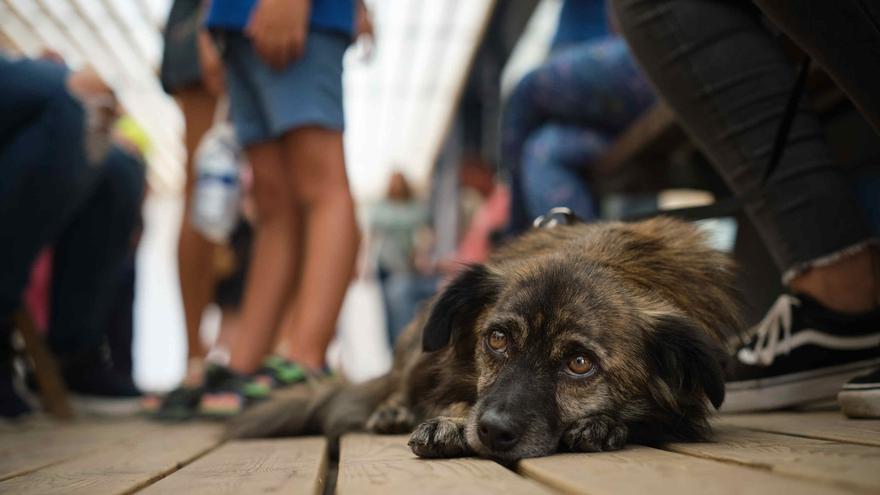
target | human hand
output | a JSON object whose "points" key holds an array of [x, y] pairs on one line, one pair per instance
{"points": [[364, 30], [278, 29]]}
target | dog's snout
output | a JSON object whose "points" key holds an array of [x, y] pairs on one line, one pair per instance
{"points": [[498, 430]]}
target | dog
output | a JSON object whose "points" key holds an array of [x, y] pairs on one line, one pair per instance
{"points": [[577, 338]]}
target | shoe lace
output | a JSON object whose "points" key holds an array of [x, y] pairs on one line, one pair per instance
{"points": [[773, 332]]}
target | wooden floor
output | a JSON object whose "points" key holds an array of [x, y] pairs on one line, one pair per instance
{"points": [[777, 454]]}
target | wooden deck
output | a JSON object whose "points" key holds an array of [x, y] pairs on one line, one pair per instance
{"points": [[782, 453]]}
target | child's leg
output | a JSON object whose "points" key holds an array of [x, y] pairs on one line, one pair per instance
{"points": [[330, 242], [194, 251], [274, 252]]}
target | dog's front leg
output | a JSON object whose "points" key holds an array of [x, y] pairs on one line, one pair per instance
{"points": [[442, 436], [595, 434], [392, 416]]}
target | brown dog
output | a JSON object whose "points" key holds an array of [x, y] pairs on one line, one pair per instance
{"points": [[578, 337]]}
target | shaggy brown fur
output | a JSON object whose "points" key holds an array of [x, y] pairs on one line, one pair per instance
{"points": [[642, 305]]}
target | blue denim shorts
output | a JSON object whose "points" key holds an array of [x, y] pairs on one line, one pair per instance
{"points": [[265, 103]]}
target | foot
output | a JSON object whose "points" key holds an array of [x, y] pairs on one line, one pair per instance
{"points": [[860, 397], [97, 387], [391, 419], [595, 434], [277, 372], [11, 403], [227, 393], [439, 438], [180, 404], [800, 352]]}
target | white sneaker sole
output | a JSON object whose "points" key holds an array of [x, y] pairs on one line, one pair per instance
{"points": [[791, 390], [860, 403], [101, 406]]}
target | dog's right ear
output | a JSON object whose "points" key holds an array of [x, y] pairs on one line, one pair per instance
{"points": [[459, 306]]}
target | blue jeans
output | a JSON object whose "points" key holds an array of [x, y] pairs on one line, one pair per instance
{"points": [[559, 120], [51, 195]]}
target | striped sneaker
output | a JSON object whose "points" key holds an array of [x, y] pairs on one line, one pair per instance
{"points": [[800, 352]]}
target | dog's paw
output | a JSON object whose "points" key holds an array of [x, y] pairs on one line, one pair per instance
{"points": [[439, 437], [595, 434], [391, 419]]}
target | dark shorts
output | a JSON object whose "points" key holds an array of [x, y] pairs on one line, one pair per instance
{"points": [[180, 55]]}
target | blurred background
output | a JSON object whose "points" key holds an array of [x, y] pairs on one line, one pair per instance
{"points": [[436, 103], [404, 108]]}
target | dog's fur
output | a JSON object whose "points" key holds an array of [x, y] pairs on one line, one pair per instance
{"points": [[647, 303]]}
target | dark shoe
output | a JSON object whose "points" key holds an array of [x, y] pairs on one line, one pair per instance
{"points": [[227, 393], [800, 352], [11, 403], [97, 387], [180, 404], [860, 397]]}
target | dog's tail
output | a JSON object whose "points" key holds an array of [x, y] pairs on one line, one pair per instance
{"points": [[331, 410]]}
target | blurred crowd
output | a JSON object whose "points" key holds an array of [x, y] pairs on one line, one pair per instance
{"points": [[270, 235]]}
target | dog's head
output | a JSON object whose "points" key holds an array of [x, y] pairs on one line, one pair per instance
{"points": [[561, 340]]}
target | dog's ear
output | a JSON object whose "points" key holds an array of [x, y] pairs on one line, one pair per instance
{"points": [[459, 306], [688, 361]]}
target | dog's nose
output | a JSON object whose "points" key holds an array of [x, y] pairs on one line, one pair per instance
{"points": [[498, 431]]}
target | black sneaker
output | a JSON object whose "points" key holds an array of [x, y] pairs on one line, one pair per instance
{"points": [[96, 387], [11, 403], [800, 352], [860, 397]]}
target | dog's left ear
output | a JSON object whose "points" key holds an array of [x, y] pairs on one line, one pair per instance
{"points": [[688, 361], [459, 306]]}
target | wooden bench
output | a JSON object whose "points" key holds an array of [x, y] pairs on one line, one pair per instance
{"points": [[804, 453]]}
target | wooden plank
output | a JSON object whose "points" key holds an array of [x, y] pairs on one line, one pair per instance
{"points": [[384, 465], [291, 465], [123, 467], [847, 465], [832, 425], [639, 470], [42, 443]]}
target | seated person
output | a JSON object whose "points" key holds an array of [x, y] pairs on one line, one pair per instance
{"points": [[563, 115], [728, 80], [64, 184]]}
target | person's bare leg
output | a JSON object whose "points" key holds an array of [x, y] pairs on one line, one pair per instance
{"points": [[330, 243], [849, 285], [271, 268], [194, 251]]}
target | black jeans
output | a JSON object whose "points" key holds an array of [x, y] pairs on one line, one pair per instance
{"points": [[727, 79], [51, 195]]}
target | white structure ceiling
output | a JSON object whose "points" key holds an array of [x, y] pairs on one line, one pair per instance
{"points": [[399, 101]]}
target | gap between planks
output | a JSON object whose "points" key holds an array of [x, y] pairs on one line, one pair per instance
{"points": [[847, 465], [121, 467], [826, 425], [637, 470], [40, 443]]}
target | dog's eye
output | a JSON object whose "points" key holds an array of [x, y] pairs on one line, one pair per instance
{"points": [[580, 365], [497, 341]]}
